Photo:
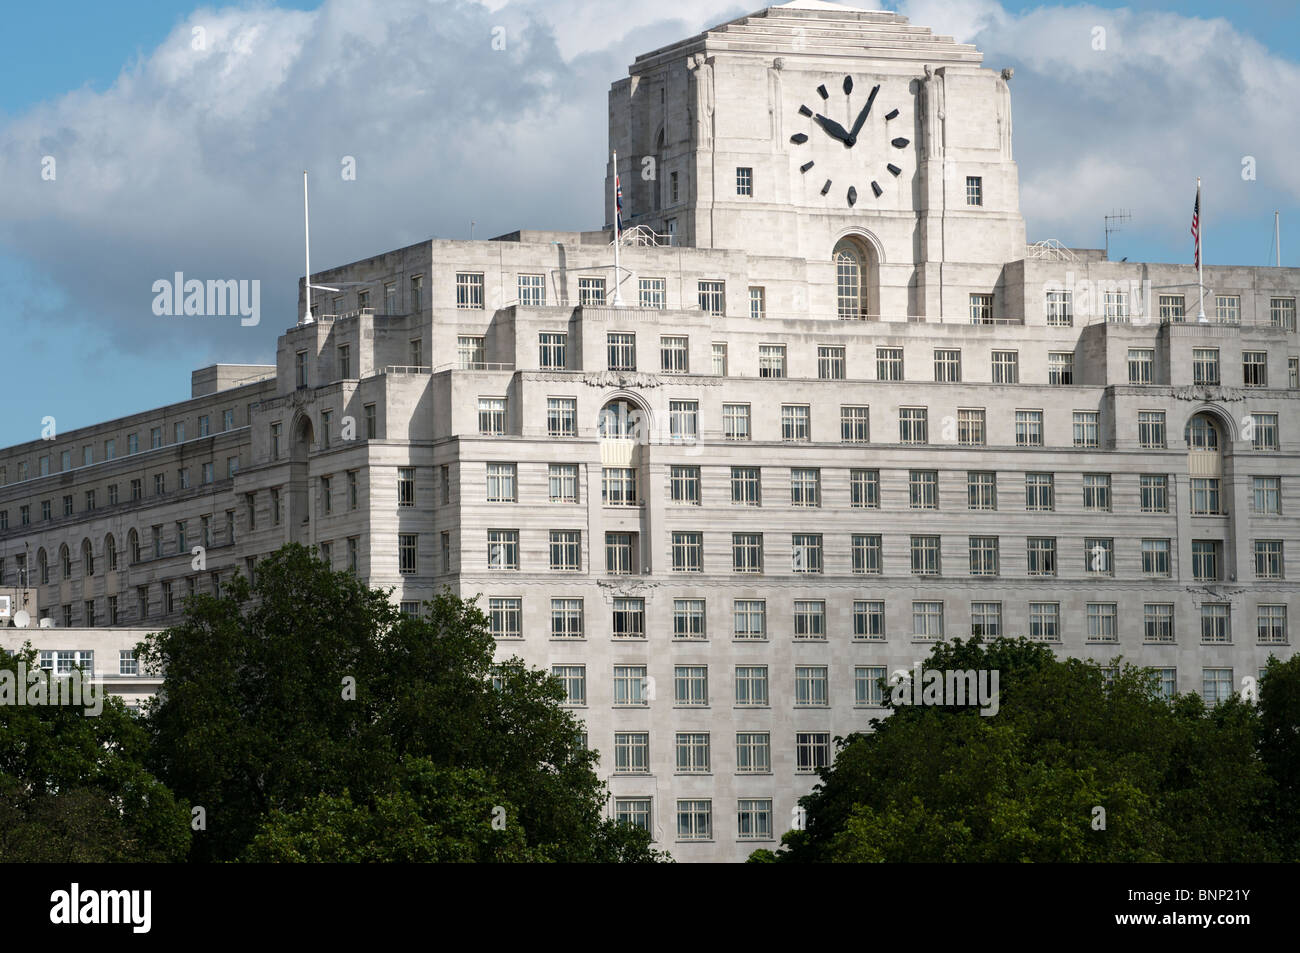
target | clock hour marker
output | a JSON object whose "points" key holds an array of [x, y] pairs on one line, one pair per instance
{"points": [[805, 111], [894, 170], [848, 85], [821, 91], [892, 114], [899, 143], [798, 138], [806, 166], [875, 187], [827, 187], [853, 195]]}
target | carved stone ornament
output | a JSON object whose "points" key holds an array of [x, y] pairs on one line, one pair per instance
{"points": [[1209, 393]]}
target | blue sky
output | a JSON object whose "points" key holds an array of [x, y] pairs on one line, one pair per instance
{"points": [[170, 162]]}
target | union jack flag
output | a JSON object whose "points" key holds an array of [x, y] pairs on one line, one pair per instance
{"points": [[618, 205], [1196, 227]]}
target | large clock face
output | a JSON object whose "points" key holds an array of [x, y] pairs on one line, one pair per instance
{"points": [[825, 130]]}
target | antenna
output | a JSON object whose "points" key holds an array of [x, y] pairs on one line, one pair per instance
{"points": [[1113, 224]]}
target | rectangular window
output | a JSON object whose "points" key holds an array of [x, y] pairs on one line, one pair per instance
{"points": [[417, 293], [1099, 556], [806, 552], [869, 620], [1158, 622], [719, 359], [552, 348], [751, 686], [796, 423], [1254, 368], [532, 290], [684, 484], [913, 425], [695, 820], [620, 349], [812, 751], [1268, 559], [771, 360], [618, 486], [566, 619], [713, 297], [830, 363], [744, 180], [1155, 557], [471, 353], [747, 552], [1115, 305], [981, 490], [561, 417], [974, 190], [855, 424], [506, 617], [406, 552], [1216, 622], [1227, 309], [619, 554], [865, 553], [1271, 625], [1102, 623], [1006, 367], [562, 483], [746, 486], [864, 489], [810, 686], [692, 748], [631, 752], [1151, 429], [1096, 491], [591, 291], [1141, 365], [805, 486], [674, 354], [651, 293], [1205, 497], [1266, 434], [687, 552], [927, 620], [981, 309], [503, 548], [986, 619], [923, 489], [1154, 494], [1060, 368], [1172, 308], [1267, 492], [1281, 313], [691, 686], [750, 617], [1086, 428], [574, 680], [1029, 428], [688, 619], [735, 422], [634, 811], [810, 619], [753, 752], [889, 363], [469, 291], [947, 365], [983, 555], [757, 303], [683, 419], [628, 621], [1205, 365], [1060, 309], [372, 422], [1045, 621], [970, 427], [1041, 553], [501, 483], [492, 416], [406, 486], [566, 550], [925, 555]]}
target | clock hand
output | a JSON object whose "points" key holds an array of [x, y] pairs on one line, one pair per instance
{"points": [[832, 128], [866, 111]]}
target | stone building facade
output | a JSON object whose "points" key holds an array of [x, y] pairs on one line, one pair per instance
{"points": [[801, 435]]}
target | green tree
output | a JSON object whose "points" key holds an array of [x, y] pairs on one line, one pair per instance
{"points": [[313, 721], [946, 783], [74, 787]]}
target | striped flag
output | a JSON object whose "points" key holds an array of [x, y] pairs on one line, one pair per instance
{"points": [[618, 205], [1196, 226]]}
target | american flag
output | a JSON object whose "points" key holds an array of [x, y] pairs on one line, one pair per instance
{"points": [[618, 205], [1196, 226]]}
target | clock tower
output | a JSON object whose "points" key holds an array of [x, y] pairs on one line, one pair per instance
{"points": [[832, 136]]}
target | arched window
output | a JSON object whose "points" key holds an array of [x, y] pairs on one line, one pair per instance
{"points": [[1202, 433], [65, 560], [43, 564], [110, 552], [850, 277], [87, 558], [619, 419], [133, 546]]}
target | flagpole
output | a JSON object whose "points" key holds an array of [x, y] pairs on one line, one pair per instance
{"points": [[306, 232], [1200, 252], [618, 240]]}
